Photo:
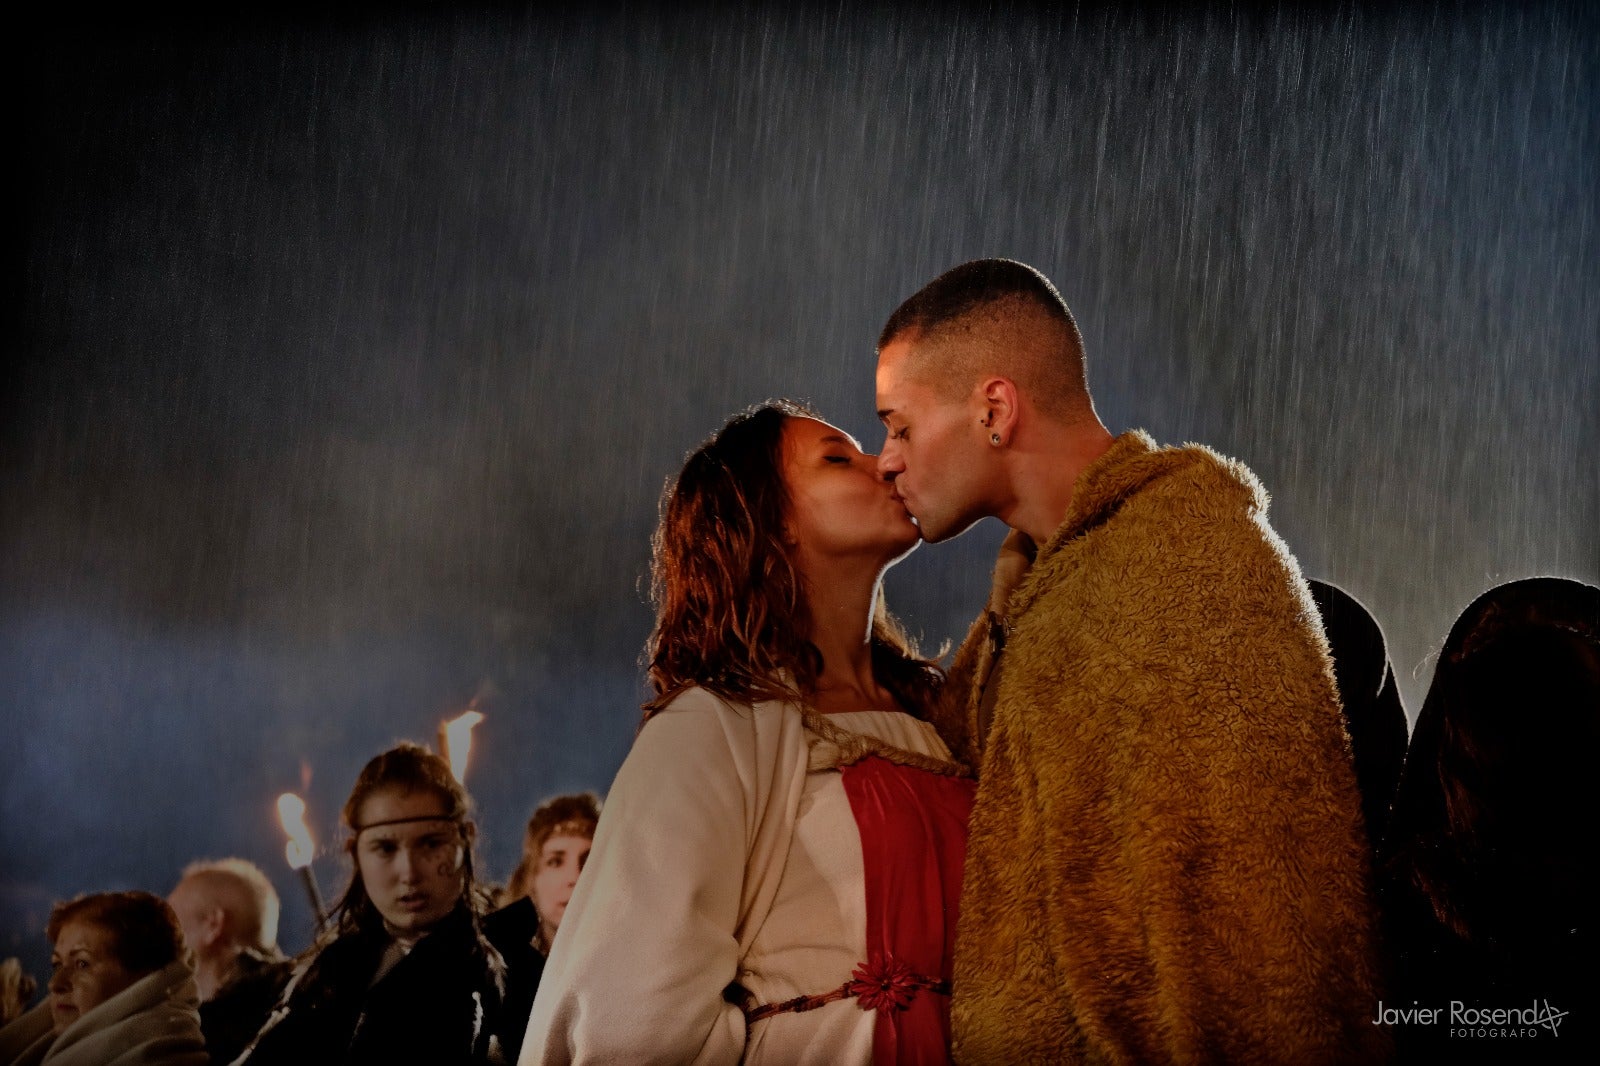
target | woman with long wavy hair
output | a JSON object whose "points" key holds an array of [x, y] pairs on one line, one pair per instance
{"points": [[775, 875]]}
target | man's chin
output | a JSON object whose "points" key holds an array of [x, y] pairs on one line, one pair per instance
{"points": [[935, 532]]}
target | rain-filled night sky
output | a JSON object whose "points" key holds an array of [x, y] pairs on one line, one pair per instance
{"points": [[354, 352]]}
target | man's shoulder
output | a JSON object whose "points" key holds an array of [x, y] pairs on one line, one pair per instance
{"points": [[1192, 475], [1137, 482], [512, 926], [1150, 523], [256, 973]]}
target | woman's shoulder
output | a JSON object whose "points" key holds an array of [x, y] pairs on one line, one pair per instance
{"points": [[700, 734], [695, 700], [696, 706]]}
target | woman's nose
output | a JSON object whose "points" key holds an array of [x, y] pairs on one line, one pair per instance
{"points": [[60, 981]]}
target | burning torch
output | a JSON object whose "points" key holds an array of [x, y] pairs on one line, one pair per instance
{"points": [[300, 851], [455, 742]]}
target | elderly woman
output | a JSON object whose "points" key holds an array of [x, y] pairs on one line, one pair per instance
{"points": [[121, 992]]}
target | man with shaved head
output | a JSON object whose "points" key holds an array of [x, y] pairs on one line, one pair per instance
{"points": [[1167, 861], [228, 911]]}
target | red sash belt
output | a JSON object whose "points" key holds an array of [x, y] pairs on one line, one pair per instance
{"points": [[884, 985]]}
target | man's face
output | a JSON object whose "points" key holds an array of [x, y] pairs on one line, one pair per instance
{"points": [[198, 914], [934, 448]]}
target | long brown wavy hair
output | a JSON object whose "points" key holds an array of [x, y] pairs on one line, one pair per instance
{"points": [[732, 615]]}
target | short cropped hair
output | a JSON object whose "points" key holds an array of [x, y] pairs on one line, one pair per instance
{"points": [[240, 888], [1021, 325], [145, 936]]}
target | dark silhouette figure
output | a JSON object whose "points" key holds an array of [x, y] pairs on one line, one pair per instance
{"points": [[1373, 713], [1486, 881]]}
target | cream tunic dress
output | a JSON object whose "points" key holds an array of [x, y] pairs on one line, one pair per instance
{"points": [[727, 854]]}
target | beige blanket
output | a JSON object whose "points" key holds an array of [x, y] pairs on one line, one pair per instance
{"points": [[153, 1022]]}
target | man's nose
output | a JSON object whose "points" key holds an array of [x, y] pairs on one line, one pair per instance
{"points": [[889, 462], [405, 865]]}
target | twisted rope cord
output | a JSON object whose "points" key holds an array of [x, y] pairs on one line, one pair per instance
{"points": [[847, 747]]}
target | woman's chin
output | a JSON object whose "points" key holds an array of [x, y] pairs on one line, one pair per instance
{"points": [[905, 547]]}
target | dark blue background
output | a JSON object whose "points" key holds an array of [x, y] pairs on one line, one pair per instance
{"points": [[354, 351]]}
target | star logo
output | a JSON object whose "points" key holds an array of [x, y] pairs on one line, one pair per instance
{"points": [[1549, 1017]]}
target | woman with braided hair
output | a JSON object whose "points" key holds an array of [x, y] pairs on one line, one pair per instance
{"points": [[554, 848], [775, 875]]}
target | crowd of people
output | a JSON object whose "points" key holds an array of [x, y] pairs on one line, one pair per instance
{"points": [[1160, 807], [419, 961]]}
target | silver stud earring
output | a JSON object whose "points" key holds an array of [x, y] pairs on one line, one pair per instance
{"points": [[994, 438]]}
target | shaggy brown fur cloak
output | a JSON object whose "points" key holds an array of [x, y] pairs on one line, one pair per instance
{"points": [[1167, 862]]}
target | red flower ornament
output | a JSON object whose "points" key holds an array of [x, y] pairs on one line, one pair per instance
{"points": [[884, 983]]}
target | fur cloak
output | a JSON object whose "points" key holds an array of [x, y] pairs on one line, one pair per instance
{"points": [[1167, 862]]}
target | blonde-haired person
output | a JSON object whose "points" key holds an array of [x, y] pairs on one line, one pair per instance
{"points": [[776, 874], [16, 990], [555, 847], [229, 913]]}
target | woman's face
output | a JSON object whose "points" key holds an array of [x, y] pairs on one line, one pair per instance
{"points": [[839, 504], [411, 857], [556, 870], [86, 973]]}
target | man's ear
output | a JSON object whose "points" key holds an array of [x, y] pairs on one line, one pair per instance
{"points": [[213, 928], [998, 406]]}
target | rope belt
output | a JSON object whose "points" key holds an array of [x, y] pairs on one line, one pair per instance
{"points": [[874, 985]]}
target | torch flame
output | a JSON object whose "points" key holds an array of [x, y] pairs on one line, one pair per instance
{"points": [[458, 742], [292, 815]]}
